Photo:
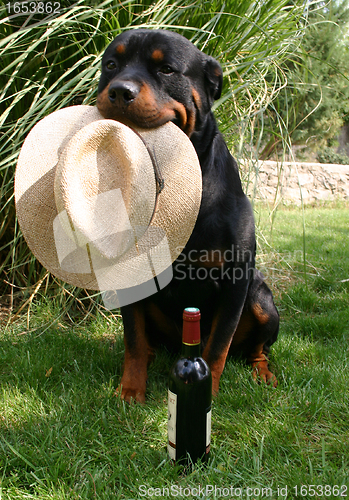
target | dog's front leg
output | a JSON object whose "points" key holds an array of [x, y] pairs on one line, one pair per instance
{"points": [[137, 352], [225, 322]]}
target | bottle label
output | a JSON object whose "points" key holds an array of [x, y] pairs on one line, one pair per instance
{"points": [[208, 429], [171, 424]]}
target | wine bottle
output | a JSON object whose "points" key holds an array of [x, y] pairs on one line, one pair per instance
{"points": [[189, 397]]}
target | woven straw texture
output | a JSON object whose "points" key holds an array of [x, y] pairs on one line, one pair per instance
{"points": [[85, 195]]}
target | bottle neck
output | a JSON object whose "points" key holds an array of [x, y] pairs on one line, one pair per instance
{"points": [[191, 351], [191, 333]]}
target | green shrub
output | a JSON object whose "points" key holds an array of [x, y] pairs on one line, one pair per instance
{"points": [[328, 155]]}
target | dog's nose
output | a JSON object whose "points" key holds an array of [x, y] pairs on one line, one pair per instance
{"points": [[126, 91]]}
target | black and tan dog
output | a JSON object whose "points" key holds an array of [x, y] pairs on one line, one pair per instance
{"points": [[150, 77]]}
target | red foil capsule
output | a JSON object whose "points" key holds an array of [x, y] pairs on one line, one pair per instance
{"points": [[191, 326]]}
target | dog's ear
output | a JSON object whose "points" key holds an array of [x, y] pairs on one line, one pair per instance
{"points": [[214, 77]]}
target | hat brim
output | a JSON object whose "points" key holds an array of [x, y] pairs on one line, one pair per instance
{"points": [[170, 228]]}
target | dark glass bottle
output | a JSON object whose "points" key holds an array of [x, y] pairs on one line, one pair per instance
{"points": [[189, 397]]}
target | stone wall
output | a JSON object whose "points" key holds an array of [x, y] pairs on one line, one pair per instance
{"points": [[290, 182]]}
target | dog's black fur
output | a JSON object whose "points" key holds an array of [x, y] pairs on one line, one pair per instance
{"points": [[150, 77]]}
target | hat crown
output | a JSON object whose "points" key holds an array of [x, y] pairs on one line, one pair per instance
{"points": [[105, 184]]}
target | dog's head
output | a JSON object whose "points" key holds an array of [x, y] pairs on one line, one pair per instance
{"points": [[150, 77]]}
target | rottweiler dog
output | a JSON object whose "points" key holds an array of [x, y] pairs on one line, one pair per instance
{"points": [[150, 77]]}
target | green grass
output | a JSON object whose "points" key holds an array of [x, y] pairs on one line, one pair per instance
{"points": [[64, 435]]}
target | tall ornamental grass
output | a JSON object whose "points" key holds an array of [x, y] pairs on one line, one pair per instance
{"points": [[49, 61]]}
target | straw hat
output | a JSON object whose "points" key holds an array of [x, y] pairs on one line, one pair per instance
{"points": [[103, 206]]}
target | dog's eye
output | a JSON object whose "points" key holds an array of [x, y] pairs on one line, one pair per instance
{"points": [[166, 69], [111, 65]]}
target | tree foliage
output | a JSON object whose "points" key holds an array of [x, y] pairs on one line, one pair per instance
{"points": [[315, 104], [325, 74]]}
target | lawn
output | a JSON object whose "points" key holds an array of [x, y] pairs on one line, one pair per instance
{"points": [[65, 435]]}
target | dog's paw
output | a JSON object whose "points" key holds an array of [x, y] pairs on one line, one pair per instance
{"points": [[130, 394], [261, 372]]}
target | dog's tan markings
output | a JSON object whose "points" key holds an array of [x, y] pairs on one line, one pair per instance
{"points": [[212, 259], [179, 110], [186, 116], [217, 369], [244, 329], [146, 111], [145, 101], [259, 362], [196, 98], [191, 118], [120, 49], [103, 103], [261, 316], [157, 55], [218, 364], [205, 258], [217, 72], [134, 378]]}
